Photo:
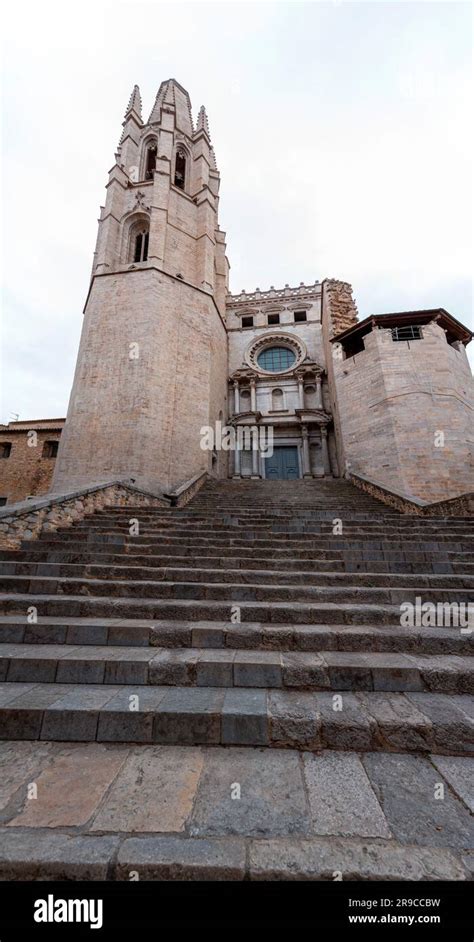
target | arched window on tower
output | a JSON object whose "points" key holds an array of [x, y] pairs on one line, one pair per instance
{"points": [[180, 168], [150, 161], [140, 245]]}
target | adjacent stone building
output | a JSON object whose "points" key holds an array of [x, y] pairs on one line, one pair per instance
{"points": [[28, 453], [167, 352]]}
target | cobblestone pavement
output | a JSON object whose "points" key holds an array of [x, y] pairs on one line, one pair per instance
{"points": [[118, 811]]}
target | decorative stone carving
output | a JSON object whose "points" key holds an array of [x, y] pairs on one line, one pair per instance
{"points": [[279, 339], [140, 201]]}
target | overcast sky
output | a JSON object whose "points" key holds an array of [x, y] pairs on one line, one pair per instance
{"points": [[341, 131]]}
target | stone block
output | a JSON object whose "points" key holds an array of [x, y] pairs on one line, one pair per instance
{"points": [[244, 718], [52, 855], [257, 669], [181, 858], [189, 715]]}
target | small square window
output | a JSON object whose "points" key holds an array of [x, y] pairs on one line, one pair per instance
{"points": [[5, 449], [273, 319], [300, 317], [50, 449], [247, 322], [3, 501]]}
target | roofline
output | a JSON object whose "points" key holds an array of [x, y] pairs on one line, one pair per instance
{"points": [[428, 314], [24, 425]]}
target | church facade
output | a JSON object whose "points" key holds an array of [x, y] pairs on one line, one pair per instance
{"points": [[166, 351]]}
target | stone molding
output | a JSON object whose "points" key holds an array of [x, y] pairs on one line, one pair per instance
{"points": [[282, 339]]}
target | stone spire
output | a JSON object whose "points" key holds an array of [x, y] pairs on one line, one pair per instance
{"points": [[202, 121], [174, 99], [135, 104], [133, 120], [155, 114]]}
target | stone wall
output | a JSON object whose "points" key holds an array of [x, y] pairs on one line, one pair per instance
{"points": [[27, 471], [151, 371], [406, 413], [26, 521]]}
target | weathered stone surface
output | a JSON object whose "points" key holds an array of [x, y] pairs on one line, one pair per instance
{"points": [[154, 791], [70, 788], [21, 763], [270, 785], [294, 719], [75, 716], [173, 667], [244, 717], [189, 715], [52, 855], [400, 725], [453, 730], [257, 669], [322, 858], [347, 728], [129, 715], [181, 858], [406, 787], [459, 772], [341, 797], [214, 668]]}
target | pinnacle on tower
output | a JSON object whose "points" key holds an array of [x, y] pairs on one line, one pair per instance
{"points": [[156, 110], [134, 104], [202, 121]]}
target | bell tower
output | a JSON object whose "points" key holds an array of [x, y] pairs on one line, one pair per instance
{"points": [[152, 362]]}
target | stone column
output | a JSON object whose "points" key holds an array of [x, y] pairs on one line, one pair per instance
{"points": [[319, 393], [255, 453], [253, 396], [324, 446], [306, 459], [236, 397], [236, 473], [301, 392]]}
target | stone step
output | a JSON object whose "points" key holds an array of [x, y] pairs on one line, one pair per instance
{"points": [[27, 853], [268, 576], [192, 512], [115, 606], [250, 636], [268, 534], [275, 542], [234, 591], [56, 551], [290, 524], [12, 562], [214, 667], [310, 721]]}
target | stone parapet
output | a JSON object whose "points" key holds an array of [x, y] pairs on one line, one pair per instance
{"points": [[460, 506], [28, 519]]}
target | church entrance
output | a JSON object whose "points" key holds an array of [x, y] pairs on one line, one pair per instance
{"points": [[283, 464]]}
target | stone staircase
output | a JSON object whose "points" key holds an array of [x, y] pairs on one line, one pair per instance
{"points": [[262, 613]]}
